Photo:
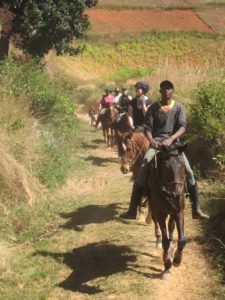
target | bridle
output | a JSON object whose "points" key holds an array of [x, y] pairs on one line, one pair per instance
{"points": [[135, 149], [165, 192]]}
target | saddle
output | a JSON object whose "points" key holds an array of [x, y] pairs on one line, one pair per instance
{"points": [[173, 149]]}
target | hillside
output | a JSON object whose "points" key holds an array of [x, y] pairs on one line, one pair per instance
{"points": [[61, 188]]}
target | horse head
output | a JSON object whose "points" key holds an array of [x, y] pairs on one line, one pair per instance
{"points": [[171, 170], [131, 148], [111, 113]]}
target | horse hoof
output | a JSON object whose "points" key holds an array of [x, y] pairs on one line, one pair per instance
{"points": [[176, 263], [167, 263], [177, 259], [166, 275]]}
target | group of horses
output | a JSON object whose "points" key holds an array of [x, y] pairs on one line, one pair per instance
{"points": [[165, 188], [111, 124]]}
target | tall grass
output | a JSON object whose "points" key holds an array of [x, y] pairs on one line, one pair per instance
{"points": [[32, 108]]}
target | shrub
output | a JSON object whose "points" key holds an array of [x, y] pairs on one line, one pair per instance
{"points": [[208, 111], [48, 100], [26, 85], [130, 73]]}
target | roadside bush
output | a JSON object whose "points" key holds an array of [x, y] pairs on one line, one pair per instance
{"points": [[208, 111], [48, 100], [26, 87], [207, 122]]}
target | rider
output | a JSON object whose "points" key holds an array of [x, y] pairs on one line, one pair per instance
{"points": [[106, 101], [138, 105], [164, 124], [117, 95], [124, 101]]}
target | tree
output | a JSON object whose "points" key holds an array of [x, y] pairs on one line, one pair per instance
{"points": [[36, 26]]}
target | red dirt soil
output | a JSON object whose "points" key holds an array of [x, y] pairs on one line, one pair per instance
{"points": [[109, 21]]}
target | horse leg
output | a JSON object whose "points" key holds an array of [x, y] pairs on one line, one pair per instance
{"points": [[108, 136], [179, 218], [111, 135], [157, 233], [166, 244], [171, 227]]}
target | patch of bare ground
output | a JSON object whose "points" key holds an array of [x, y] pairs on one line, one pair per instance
{"points": [[214, 17], [103, 20]]}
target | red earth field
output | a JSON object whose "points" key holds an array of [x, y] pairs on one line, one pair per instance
{"points": [[104, 21]]}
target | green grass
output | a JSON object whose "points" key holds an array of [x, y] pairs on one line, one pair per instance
{"points": [[213, 199], [129, 73], [151, 49]]}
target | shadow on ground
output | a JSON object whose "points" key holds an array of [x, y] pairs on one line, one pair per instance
{"points": [[97, 141], [101, 161], [90, 262], [88, 215]]}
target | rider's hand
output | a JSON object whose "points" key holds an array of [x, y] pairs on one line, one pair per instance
{"points": [[167, 142], [154, 144]]}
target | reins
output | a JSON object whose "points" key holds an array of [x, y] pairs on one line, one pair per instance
{"points": [[131, 163], [164, 188], [139, 153]]}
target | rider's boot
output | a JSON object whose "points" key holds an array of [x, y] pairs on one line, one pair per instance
{"points": [[195, 206], [135, 200]]}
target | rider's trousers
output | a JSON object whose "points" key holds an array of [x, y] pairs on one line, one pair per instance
{"points": [[144, 169]]}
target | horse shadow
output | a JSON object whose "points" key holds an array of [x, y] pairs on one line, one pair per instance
{"points": [[86, 145], [88, 215], [101, 161], [92, 261], [97, 141]]}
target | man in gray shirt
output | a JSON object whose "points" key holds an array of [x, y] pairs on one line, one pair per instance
{"points": [[164, 124]]}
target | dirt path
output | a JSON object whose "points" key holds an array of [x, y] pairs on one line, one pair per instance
{"points": [[104, 257]]}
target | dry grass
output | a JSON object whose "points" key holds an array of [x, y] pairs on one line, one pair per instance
{"points": [[165, 4], [19, 138], [213, 17], [148, 3]]}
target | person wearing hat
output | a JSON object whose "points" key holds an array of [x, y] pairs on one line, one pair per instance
{"points": [[124, 101], [138, 107], [164, 124], [117, 95], [106, 101]]}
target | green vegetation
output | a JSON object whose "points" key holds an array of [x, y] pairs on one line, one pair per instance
{"points": [[208, 111], [129, 73], [153, 48], [72, 226], [49, 105], [150, 4], [41, 25]]}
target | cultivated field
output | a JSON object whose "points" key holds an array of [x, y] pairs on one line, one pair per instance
{"points": [[158, 4], [70, 243], [106, 21]]}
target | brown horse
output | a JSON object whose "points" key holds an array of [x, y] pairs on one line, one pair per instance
{"points": [[132, 147], [107, 120], [166, 188], [121, 125]]}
